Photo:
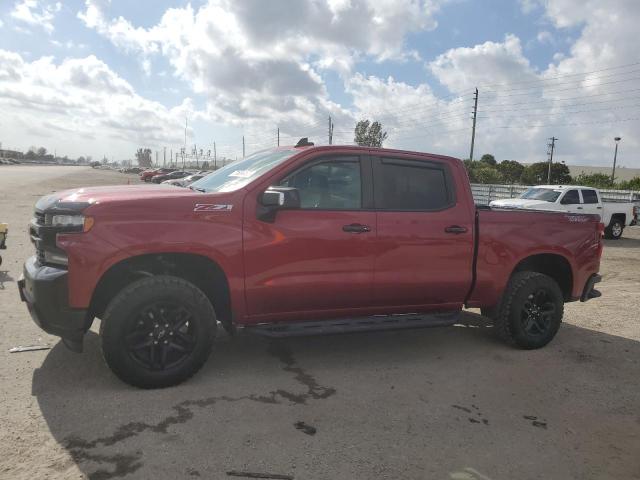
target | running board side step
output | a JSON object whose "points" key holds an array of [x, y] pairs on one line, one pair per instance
{"points": [[351, 325]]}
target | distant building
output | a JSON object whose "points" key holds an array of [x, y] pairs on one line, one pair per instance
{"points": [[10, 154], [622, 173]]}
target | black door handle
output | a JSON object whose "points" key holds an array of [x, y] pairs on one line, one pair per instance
{"points": [[455, 229], [356, 228]]}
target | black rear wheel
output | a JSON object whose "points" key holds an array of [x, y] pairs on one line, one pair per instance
{"points": [[614, 230], [157, 332], [531, 310]]}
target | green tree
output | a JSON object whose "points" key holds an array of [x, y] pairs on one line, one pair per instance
{"points": [[488, 159], [487, 174], [633, 184], [598, 180], [369, 134], [143, 156], [510, 170], [482, 172], [41, 152], [536, 174]]}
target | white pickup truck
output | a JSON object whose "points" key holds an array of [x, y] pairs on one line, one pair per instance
{"points": [[575, 199]]}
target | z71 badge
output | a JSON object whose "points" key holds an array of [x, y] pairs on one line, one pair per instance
{"points": [[208, 207]]}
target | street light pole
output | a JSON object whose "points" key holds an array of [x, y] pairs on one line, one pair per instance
{"points": [[615, 157]]}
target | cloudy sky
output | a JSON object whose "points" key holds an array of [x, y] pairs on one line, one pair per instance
{"points": [[100, 77]]}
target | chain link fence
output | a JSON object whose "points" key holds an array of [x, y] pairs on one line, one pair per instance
{"points": [[483, 193]]}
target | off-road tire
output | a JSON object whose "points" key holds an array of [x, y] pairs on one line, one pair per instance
{"points": [[614, 230], [508, 321], [126, 307]]}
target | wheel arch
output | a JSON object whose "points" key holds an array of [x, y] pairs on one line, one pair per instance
{"points": [[553, 265], [619, 216], [200, 270]]}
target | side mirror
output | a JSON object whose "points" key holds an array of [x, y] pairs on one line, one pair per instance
{"points": [[272, 198], [277, 198]]}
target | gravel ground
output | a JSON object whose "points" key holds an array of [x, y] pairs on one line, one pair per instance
{"points": [[432, 404]]}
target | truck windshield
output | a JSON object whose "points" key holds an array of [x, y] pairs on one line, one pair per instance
{"points": [[545, 194], [238, 174]]}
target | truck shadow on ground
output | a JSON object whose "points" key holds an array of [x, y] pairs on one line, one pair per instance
{"points": [[111, 430], [624, 242]]}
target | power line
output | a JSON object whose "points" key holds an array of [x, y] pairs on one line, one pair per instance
{"points": [[491, 109], [551, 114], [575, 124], [553, 90], [563, 75], [554, 99]]}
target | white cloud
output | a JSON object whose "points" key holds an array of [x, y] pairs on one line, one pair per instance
{"points": [[84, 100], [545, 37], [1, 23], [528, 6], [36, 13], [464, 68], [413, 116], [264, 60]]}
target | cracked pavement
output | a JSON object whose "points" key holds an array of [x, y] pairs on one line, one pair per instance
{"points": [[446, 403]]}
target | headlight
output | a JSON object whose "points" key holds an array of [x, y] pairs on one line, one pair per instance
{"points": [[67, 220]]}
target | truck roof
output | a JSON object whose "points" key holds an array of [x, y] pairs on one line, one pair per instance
{"points": [[563, 187], [372, 150]]}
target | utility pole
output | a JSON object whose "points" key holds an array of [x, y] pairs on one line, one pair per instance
{"points": [[215, 156], [551, 147], [615, 157], [164, 157], [278, 136], [156, 158], [242, 146], [185, 140], [330, 131], [473, 130], [171, 158]]}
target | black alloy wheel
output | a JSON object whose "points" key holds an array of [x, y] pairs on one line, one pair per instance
{"points": [[538, 312], [162, 336], [158, 331]]}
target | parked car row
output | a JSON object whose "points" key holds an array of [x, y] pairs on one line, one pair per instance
{"points": [[172, 176]]}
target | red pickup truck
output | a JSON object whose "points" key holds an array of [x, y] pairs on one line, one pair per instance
{"points": [[296, 241]]}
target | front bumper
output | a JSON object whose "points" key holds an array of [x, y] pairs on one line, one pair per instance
{"points": [[589, 291], [44, 289]]}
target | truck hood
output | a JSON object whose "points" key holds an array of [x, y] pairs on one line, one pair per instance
{"points": [[79, 198], [523, 203]]}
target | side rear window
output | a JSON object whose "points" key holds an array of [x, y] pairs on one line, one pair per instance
{"points": [[589, 196], [411, 185], [570, 198]]}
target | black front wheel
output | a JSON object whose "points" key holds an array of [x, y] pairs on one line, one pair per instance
{"points": [[158, 332], [531, 310]]}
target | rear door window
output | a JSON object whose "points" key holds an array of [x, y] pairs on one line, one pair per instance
{"points": [[572, 197], [589, 196], [411, 185]]}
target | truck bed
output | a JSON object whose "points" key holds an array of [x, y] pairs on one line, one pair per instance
{"points": [[504, 237]]}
